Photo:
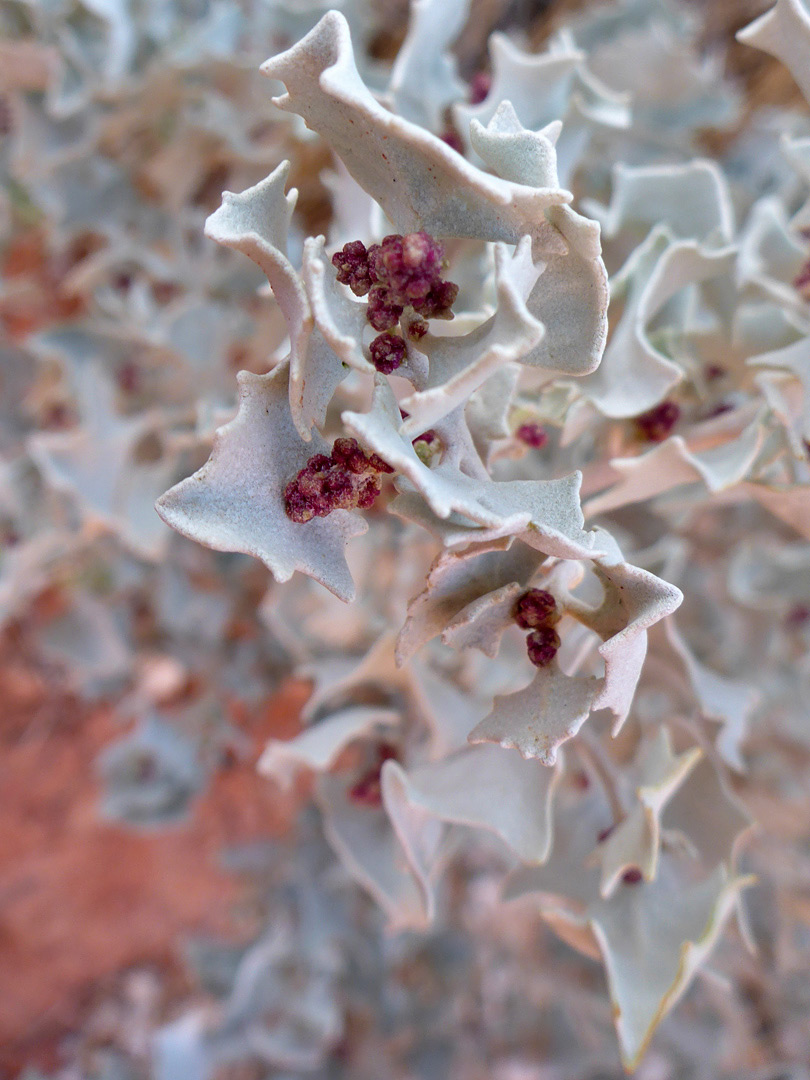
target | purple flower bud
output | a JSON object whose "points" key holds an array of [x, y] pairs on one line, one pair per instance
{"points": [[802, 281], [367, 789], [387, 352], [376, 464], [534, 608], [439, 301], [367, 492], [348, 452], [382, 312], [417, 329], [353, 268], [480, 86], [347, 480], [427, 437], [712, 372], [409, 266], [633, 876], [453, 139], [656, 424], [542, 645], [533, 435]]}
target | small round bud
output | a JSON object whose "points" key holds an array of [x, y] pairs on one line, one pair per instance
{"points": [[387, 352], [536, 607], [656, 424], [532, 435], [542, 645]]}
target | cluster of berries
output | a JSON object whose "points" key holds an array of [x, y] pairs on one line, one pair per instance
{"points": [[402, 271], [536, 610], [532, 435], [367, 789], [656, 424], [348, 479]]}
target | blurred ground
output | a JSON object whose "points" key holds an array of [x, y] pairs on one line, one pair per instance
{"points": [[82, 900]]}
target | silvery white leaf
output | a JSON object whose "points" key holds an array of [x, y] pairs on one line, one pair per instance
{"points": [[571, 297], [490, 788], [374, 855], [415, 177], [795, 359], [673, 463], [340, 319], [549, 510], [98, 466], [150, 776], [784, 32], [256, 223], [457, 580], [553, 707], [634, 374], [236, 501], [544, 88], [424, 79], [653, 938], [488, 407], [729, 701], [692, 200], [636, 840], [460, 365], [319, 745], [771, 256]]}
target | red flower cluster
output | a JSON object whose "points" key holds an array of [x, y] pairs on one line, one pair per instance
{"points": [[402, 271], [532, 435], [536, 610], [349, 479], [367, 789], [656, 424]]}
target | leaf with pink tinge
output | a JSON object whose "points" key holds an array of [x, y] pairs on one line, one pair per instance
{"points": [[460, 365], [481, 624], [235, 502], [554, 706], [319, 745], [672, 464], [488, 788], [784, 32], [653, 938], [432, 699], [336, 676], [635, 842], [415, 177], [789, 502], [795, 359]]}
